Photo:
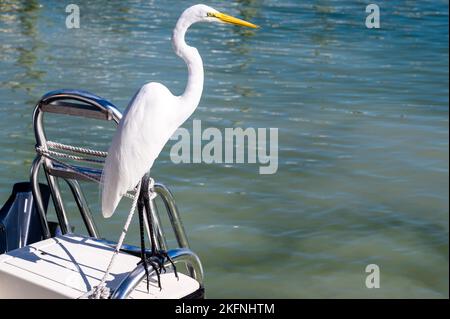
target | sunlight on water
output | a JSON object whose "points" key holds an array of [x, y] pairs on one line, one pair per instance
{"points": [[363, 134]]}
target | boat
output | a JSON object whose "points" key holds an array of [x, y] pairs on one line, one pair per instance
{"points": [[40, 258]]}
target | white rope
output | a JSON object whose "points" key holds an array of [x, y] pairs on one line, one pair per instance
{"points": [[102, 291], [76, 149], [74, 169], [69, 156]]}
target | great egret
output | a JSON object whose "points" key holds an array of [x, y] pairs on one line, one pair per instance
{"points": [[152, 117]]}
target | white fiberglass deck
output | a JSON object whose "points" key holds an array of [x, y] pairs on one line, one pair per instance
{"points": [[69, 266]]}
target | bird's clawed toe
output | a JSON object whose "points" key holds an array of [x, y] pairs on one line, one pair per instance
{"points": [[157, 261]]}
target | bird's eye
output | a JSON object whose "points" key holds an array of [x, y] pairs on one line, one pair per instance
{"points": [[210, 14]]}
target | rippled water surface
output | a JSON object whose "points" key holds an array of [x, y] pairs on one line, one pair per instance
{"points": [[363, 133]]}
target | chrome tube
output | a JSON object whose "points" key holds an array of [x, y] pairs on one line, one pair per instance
{"points": [[174, 216], [38, 126], [58, 202], [52, 181], [129, 283], [34, 179], [83, 207], [53, 102], [159, 232], [96, 104], [175, 219]]}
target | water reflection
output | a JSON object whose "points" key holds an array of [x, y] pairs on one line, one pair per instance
{"points": [[248, 10], [27, 55], [326, 25]]}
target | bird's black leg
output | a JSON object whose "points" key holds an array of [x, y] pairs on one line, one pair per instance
{"points": [[148, 212], [157, 256], [140, 207]]}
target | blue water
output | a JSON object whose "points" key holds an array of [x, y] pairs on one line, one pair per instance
{"points": [[363, 134]]}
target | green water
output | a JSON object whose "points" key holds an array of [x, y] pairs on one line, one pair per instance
{"points": [[363, 134]]}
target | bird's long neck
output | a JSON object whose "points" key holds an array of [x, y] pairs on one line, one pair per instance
{"points": [[193, 92]]}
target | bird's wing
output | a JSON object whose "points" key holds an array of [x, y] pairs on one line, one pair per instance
{"points": [[143, 131]]}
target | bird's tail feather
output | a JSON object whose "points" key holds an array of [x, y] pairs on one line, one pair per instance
{"points": [[110, 198]]}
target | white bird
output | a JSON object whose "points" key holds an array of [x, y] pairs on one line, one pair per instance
{"points": [[154, 114]]}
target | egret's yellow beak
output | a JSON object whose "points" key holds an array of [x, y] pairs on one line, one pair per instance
{"points": [[232, 20]]}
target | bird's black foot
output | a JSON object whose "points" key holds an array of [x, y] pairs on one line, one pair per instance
{"points": [[157, 262], [161, 257], [156, 267], [164, 254]]}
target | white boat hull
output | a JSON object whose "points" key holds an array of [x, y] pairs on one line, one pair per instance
{"points": [[70, 266]]}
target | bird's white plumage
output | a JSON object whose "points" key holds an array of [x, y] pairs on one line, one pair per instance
{"points": [[142, 133], [154, 114], [150, 119]]}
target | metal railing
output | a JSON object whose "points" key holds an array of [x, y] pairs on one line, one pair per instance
{"points": [[85, 104], [130, 282]]}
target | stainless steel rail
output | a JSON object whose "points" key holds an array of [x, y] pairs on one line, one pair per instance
{"points": [[75, 103], [174, 216], [184, 255], [37, 163], [83, 207]]}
